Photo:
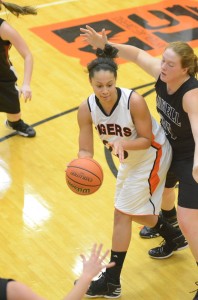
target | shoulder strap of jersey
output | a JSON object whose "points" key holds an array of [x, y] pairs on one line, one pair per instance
{"points": [[88, 104], [1, 21]]}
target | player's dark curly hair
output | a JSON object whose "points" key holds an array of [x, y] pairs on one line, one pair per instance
{"points": [[104, 61], [18, 10]]}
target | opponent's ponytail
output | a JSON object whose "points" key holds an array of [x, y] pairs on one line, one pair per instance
{"points": [[18, 10], [108, 51]]}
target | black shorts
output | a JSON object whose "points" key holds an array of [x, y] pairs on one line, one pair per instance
{"points": [[3, 288], [181, 171], [9, 98]]}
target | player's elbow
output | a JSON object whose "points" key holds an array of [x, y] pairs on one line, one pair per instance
{"points": [[147, 143]]}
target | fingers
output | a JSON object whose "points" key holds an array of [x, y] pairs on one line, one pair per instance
{"points": [[121, 154], [95, 263], [90, 29], [96, 253], [98, 250], [118, 150], [83, 257], [104, 255], [83, 30], [110, 265], [87, 30], [93, 38], [27, 94], [104, 36]]}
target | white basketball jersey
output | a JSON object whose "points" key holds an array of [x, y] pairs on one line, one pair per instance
{"points": [[119, 123], [141, 177]]}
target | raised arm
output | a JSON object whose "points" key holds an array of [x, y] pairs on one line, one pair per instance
{"points": [[144, 60], [85, 131]]}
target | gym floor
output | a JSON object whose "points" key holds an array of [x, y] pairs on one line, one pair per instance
{"points": [[44, 226]]}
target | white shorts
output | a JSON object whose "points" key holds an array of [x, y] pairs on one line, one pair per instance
{"points": [[139, 186]]}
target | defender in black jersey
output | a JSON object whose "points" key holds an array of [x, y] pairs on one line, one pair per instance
{"points": [[177, 104], [9, 91], [3, 288]]}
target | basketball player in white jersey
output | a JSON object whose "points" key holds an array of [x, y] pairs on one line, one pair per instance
{"points": [[124, 124]]}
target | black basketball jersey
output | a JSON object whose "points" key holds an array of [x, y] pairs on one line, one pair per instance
{"points": [[6, 69], [174, 119]]}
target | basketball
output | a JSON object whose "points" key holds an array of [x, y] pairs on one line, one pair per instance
{"points": [[84, 176]]}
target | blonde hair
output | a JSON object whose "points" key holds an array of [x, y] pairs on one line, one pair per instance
{"points": [[189, 59], [18, 10]]}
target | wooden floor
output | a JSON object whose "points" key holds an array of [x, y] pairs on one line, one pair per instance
{"points": [[43, 225]]}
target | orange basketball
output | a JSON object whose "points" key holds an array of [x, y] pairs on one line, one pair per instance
{"points": [[84, 176]]}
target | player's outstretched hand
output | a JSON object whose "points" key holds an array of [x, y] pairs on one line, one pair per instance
{"points": [[93, 38], [95, 263], [91, 267]]}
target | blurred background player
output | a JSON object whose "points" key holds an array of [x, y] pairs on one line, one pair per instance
{"points": [[9, 92]]}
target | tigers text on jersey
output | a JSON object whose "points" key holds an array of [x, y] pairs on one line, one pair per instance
{"points": [[141, 177]]}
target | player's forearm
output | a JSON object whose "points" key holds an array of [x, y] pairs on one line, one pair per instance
{"points": [[28, 68], [195, 165], [84, 153], [127, 52], [140, 143], [79, 289]]}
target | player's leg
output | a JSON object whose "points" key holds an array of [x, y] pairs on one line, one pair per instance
{"points": [[187, 203], [108, 284], [168, 210], [10, 104], [14, 122], [173, 237], [188, 211], [188, 222]]}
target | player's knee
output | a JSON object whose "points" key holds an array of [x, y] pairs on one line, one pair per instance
{"points": [[120, 217]]}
